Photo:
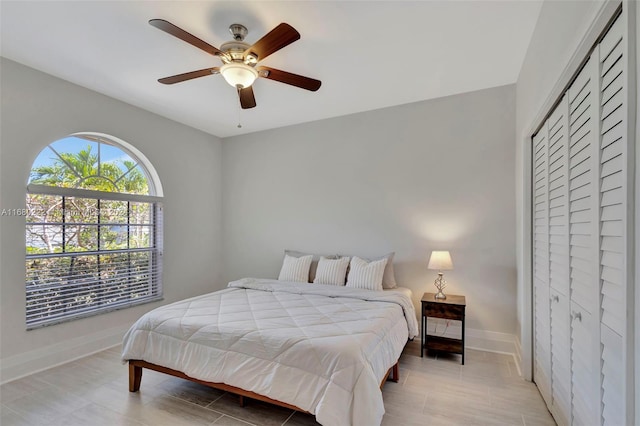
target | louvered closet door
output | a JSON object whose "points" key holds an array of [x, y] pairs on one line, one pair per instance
{"points": [[583, 245], [613, 227], [542, 315], [559, 264]]}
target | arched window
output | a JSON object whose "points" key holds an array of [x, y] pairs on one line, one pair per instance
{"points": [[93, 230]]}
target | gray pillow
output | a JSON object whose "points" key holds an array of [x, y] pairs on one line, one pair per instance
{"points": [[389, 277]]}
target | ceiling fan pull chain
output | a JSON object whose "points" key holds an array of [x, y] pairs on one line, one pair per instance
{"points": [[239, 110]]}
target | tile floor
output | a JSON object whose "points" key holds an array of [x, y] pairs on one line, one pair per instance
{"points": [[432, 391]]}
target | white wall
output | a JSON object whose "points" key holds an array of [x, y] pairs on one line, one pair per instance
{"points": [[38, 109], [414, 178]]}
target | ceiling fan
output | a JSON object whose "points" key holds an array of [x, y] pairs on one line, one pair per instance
{"points": [[239, 59]]}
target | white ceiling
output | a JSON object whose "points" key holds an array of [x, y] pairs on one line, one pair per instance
{"points": [[368, 54]]}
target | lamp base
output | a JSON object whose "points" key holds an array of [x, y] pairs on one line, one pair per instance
{"points": [[440, 283]]}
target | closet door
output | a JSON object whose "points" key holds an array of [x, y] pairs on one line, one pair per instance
{"points": [[559, 264], [613, 227], [541, 309], [583, 245]]}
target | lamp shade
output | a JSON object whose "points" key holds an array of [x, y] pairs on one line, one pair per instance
{"points": [[440, 261], [238, 74]]}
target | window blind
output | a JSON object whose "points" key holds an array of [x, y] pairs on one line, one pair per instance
{"points": [[91, 263]]}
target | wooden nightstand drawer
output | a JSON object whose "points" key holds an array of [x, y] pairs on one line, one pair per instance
{"points": [[455, 312]]}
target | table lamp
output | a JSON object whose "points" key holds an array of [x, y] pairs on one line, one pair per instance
{"points": [[440, 261]]}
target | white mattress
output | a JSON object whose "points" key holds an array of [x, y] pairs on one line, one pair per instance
{"points": [[322, 348], [402, 290]]}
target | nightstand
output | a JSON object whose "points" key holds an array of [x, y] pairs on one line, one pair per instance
{"points": [[451, 308]]}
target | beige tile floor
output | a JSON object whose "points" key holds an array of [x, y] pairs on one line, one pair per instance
{"points": [[434, 390]]}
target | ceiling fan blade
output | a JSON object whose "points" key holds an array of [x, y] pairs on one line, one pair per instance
{"points": [[279, 37], [169, 28], [189, 75], [289, 78], [247, 100]]}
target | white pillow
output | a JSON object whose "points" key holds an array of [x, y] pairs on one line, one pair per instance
{"points": [[367, 275], [295, 268], [331, 271], [389, 277], [314, 261]]}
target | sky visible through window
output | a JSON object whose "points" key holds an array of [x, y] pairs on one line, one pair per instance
{"points": [[74, 144], [84, 163]]}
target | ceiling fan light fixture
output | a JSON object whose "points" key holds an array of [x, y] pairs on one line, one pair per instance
{"points": [[238, 74]]}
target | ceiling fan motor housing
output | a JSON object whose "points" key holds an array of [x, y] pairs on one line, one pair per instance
{"points": [[238, 31], [234, 51]]}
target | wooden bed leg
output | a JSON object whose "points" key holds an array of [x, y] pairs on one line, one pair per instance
{"points": [[243, 403], [392, 374], [395, 374], [135, 376]]}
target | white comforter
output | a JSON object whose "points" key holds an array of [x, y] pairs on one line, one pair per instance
{"points": [[322, 348]]}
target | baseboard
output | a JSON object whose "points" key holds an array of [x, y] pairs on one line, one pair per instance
{"points": [[24, 364], [517, 356], [489, 341]]}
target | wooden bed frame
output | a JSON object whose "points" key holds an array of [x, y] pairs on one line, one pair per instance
{"points": [[135, 377]]}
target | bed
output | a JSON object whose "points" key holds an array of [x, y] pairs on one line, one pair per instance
{"points": [[321, 349]]}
